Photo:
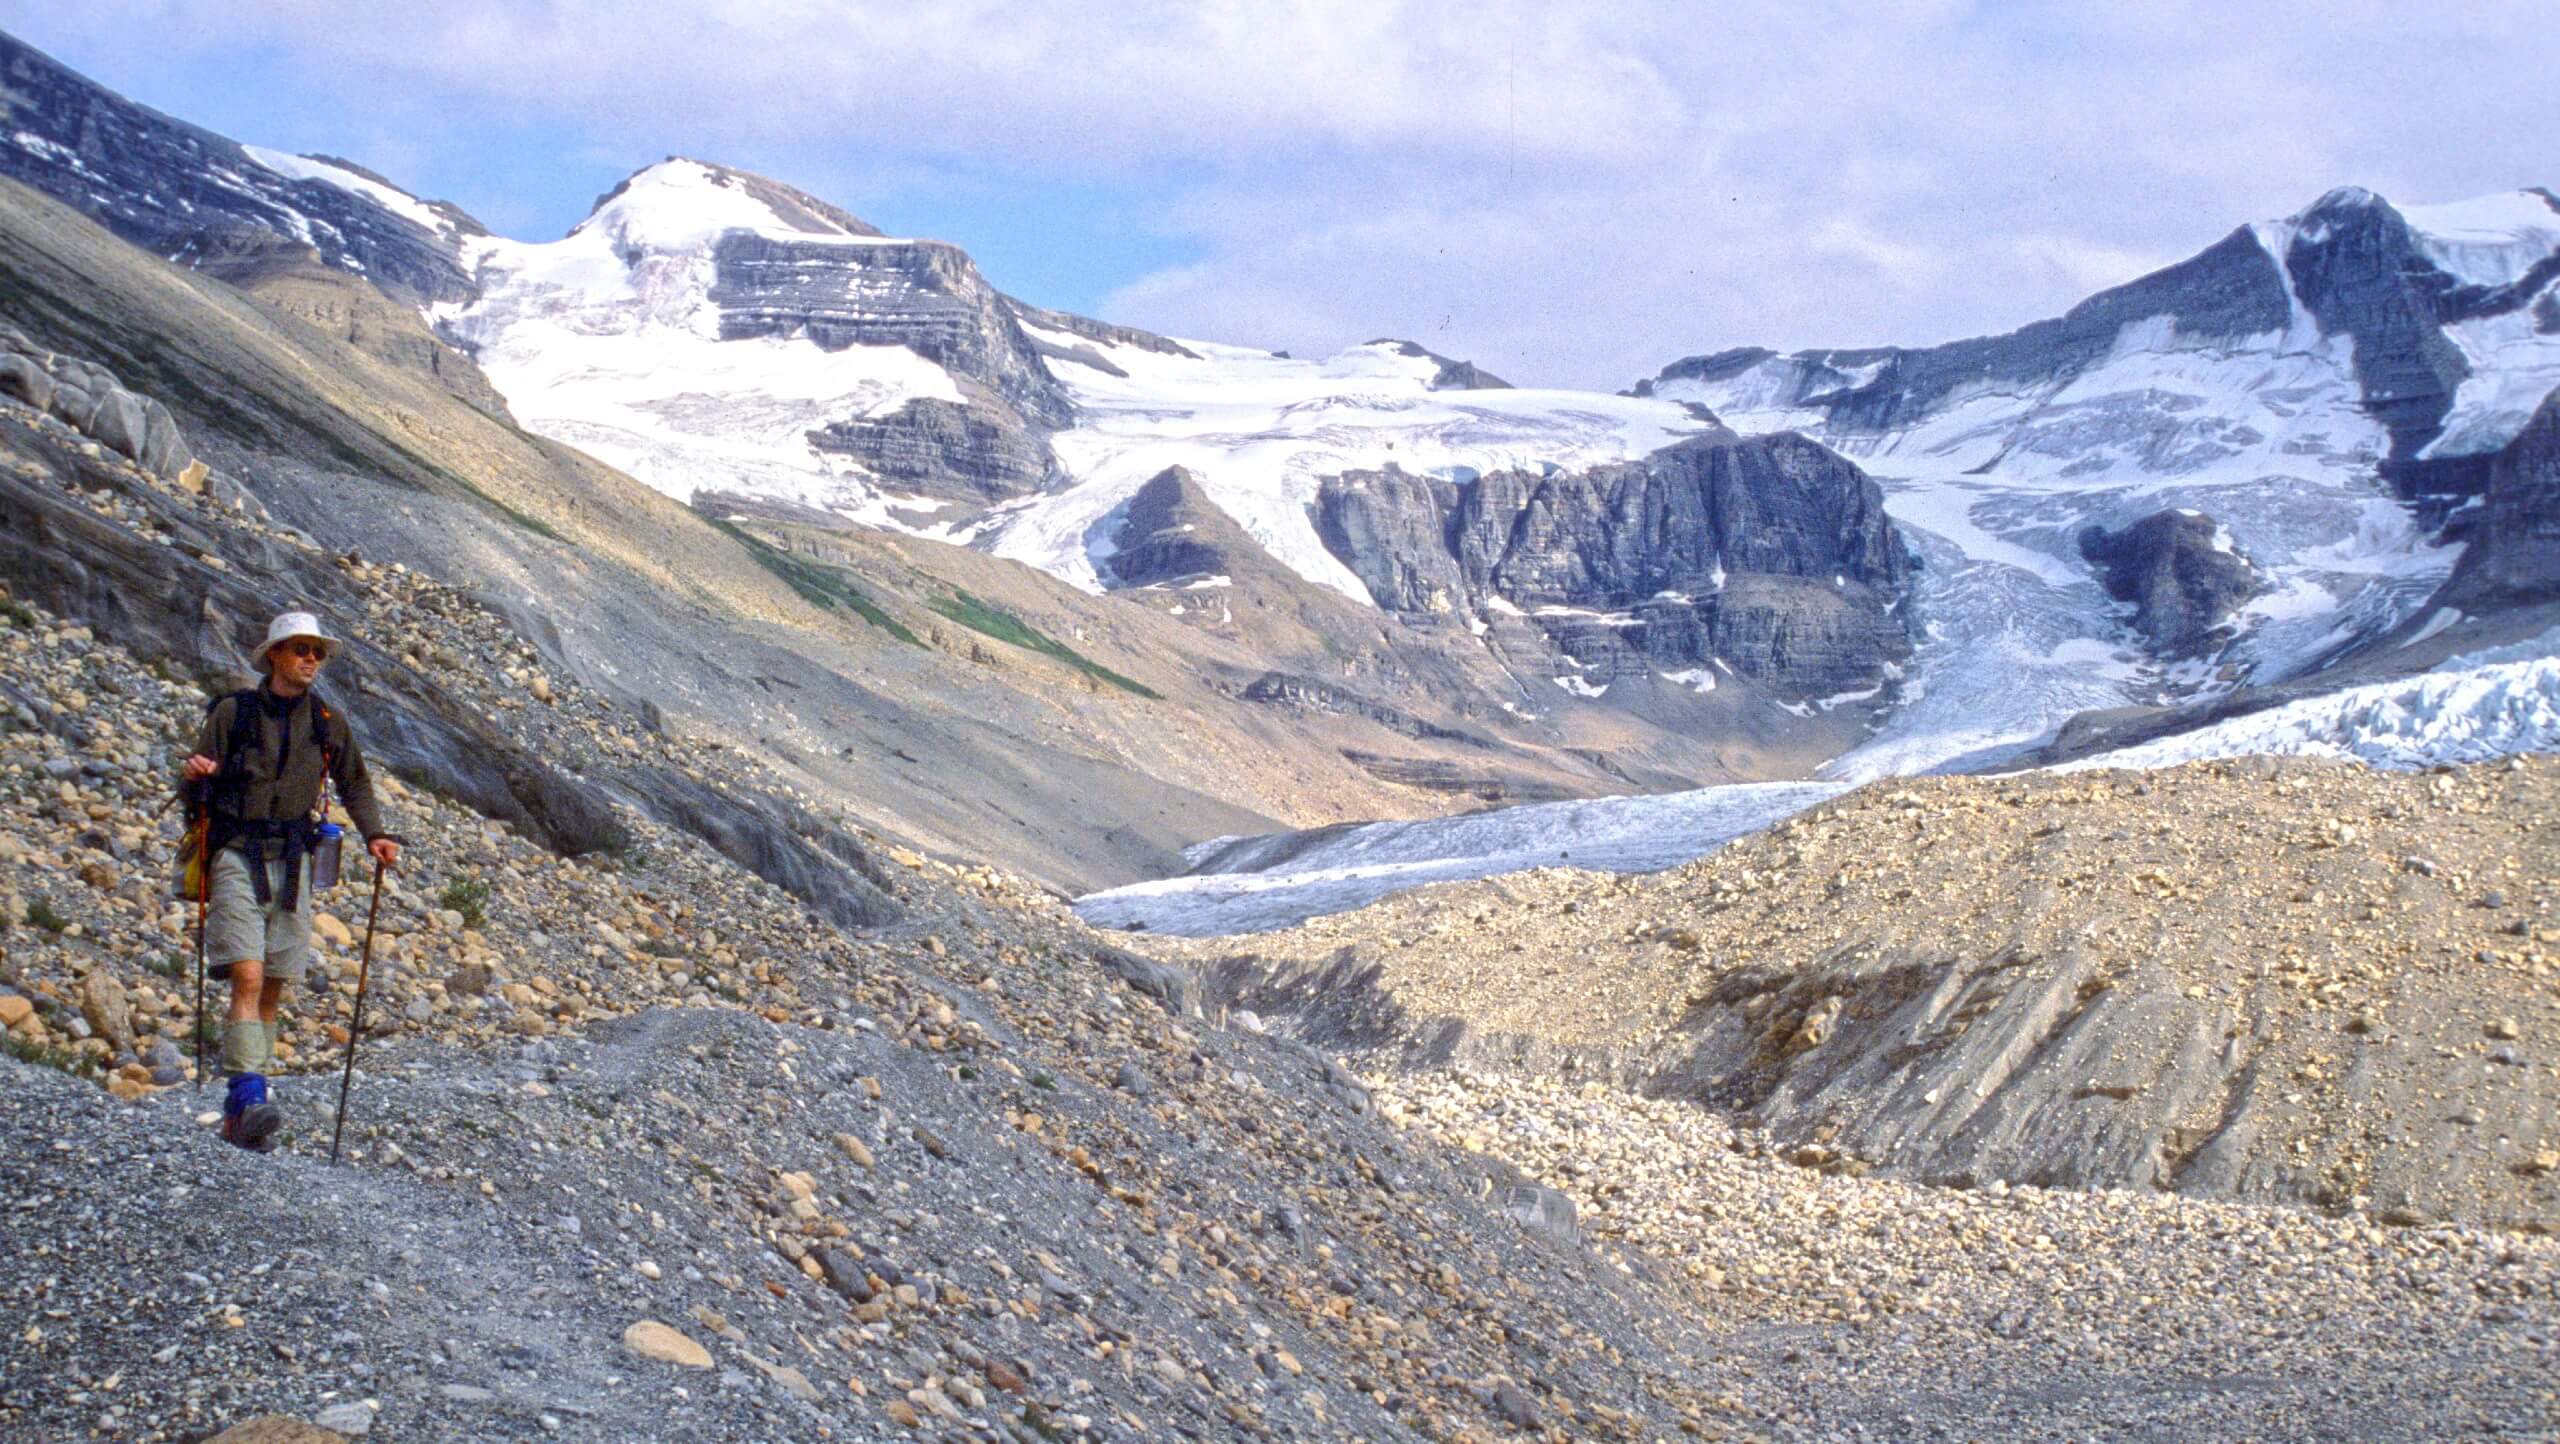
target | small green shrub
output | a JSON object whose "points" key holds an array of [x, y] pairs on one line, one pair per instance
{"points": [[19, 614], [40, 914], [46, 1055], [468, 896]]}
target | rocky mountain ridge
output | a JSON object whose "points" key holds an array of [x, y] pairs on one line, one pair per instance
{"points": [[183, 192], [2324, 394]]}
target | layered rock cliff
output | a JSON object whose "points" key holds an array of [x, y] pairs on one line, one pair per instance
{"points": [[1771, 557]]}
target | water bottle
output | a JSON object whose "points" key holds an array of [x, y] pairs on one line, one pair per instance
{"points": [[326, 841]]}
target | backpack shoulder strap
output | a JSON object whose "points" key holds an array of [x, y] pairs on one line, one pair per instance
{"points": [[244, 726]]}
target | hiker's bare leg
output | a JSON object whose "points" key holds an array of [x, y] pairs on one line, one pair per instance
{"points": [[248, 984], [270, 995]]}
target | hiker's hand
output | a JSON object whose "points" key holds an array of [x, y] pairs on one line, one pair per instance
{"points": [[200, 767], [385, 851]]}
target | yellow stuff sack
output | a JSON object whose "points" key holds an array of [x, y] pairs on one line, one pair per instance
{"points": [[194, 862]]}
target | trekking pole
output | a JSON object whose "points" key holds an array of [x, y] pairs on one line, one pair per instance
{"points": [[355, 1026], [204, 901]]}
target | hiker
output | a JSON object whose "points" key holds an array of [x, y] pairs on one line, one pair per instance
{"points": [[268, 753]]}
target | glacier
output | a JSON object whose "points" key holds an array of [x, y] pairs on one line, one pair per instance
{"points": [[2471, 708]]}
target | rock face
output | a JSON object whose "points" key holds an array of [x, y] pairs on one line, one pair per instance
{"points": [[921, 294], [1771, 556], [976, 453], [2514, 556], [2182, 579], [2230, 289], [180, 191], [87, 397]]}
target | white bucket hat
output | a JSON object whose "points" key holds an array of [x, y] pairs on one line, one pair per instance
{"points": [[288, 627]]}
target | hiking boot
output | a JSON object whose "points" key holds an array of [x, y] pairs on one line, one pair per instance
{"points": [[249, 1120]]}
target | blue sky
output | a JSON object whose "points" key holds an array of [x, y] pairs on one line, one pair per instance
{"points": [[1570, 195]]}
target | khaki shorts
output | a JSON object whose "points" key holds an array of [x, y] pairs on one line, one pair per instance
{"points": [[237, 929]]}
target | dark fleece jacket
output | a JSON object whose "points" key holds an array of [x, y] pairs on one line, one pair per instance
{"points": [[282, 769]]}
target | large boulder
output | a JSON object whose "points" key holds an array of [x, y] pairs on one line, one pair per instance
{"points": [[164, 449], [74, 403], [121, 424], [22, 378]]}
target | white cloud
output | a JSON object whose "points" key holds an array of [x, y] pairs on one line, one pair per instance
{"points": [[1563, 193]]}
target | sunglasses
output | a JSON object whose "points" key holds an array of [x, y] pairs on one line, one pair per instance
{"points": [[305, 649]]}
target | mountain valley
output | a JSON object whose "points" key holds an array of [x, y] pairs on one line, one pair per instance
{"points": [[981, 873]]}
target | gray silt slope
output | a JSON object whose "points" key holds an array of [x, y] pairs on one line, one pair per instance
{"points": [[470, 1315]]}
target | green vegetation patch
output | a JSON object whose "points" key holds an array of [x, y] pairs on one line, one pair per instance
{"points": [[821, 587], [467, 896], [1004, 626], [47, 1055]]}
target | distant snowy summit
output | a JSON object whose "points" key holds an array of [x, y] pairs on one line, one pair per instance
{"points": [[2320, 401], [2438, 325]]}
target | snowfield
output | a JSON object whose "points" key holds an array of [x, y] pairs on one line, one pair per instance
{"points": [[1264, 430]]}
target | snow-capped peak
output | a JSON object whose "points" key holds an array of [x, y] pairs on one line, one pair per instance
{"points": [[682, 205], [2341, 198]]}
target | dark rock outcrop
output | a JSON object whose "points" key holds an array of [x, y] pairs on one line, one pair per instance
{"points": [[1314, 694], [2230, 289], [1172, 532], [180, 191], [1772, 555], [1453, 375], [1103, 331], [2514, 555], [2182, 586]]}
